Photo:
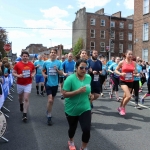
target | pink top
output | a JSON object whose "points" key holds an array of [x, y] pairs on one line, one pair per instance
{"points": [[127, 68]]}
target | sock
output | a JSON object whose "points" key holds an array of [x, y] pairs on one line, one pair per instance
{"points": [[42, 87], [37, 87], [49, 115]]}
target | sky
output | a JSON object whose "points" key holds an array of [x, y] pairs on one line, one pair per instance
{"points": [[56, 15]]}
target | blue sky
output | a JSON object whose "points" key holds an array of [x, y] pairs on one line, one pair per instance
{"points": [[56, 14]]}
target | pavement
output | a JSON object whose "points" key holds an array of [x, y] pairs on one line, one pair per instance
{"points": [[109, 130]]}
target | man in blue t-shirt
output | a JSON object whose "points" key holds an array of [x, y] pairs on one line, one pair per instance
{"points": [[51, 69], [95, 69], [39, 77]]}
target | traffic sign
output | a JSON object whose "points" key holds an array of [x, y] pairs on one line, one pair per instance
{"points": [[7, 48]]}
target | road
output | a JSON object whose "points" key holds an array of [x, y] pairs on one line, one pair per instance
{"points": [[109, 130]]}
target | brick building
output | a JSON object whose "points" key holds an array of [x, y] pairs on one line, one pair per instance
{"points": [[100, 31], [141, 29]]}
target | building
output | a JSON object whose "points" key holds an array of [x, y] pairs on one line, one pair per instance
{"points": [[141, 29], [102, 32]]}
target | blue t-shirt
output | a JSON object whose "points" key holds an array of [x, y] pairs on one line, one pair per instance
{"points": [[96, 66], [113, 68], [139, 70], [52, 79], [110, 62], [68, 67], [5, 70], [40, 68], [104, 69]]}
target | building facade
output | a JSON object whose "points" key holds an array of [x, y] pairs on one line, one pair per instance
{"points": [[103, 32], [141, 29]]}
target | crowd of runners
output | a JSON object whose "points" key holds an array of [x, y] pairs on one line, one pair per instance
{"points": [[81, 80]]}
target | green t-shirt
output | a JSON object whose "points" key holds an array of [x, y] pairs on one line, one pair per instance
{"points": [[76, 105]]}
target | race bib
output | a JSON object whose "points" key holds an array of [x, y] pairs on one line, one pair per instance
{"points": [[40, 67], [129, 76], [52, 72], [144, 71], [26, 73], [96, 77], [69, 73]]}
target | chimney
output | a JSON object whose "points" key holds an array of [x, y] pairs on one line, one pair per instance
{"points": [[100, 12], [117, 14]]}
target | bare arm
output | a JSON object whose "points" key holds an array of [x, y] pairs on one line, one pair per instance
{"points": [[17, 75]]}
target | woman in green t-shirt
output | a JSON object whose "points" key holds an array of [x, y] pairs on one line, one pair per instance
{"points": [[77, 93]]}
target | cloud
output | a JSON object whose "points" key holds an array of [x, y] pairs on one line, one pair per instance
{"points": [[129, 4], [92, 3], [18, 34], [70, 7], [54, 12], [118, 4]]}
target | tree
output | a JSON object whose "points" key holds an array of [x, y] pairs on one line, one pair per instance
{"points": [[3, 40], [78, 46]]}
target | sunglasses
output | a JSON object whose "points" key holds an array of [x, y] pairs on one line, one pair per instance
{"points": [[81, 68]]}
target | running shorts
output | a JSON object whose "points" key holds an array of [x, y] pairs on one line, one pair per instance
{"points": [[24, 88]]}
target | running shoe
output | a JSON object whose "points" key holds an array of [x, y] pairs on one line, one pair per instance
{"points": [[21, 107], [42, 94], [71, 145], [122, 112], [83, 149], [142, 100], [118, 99], [119, 109], [140, 90], [102, 94], [137, 106], [49, 121], [62, 97], [24, 117], [110, 95]]}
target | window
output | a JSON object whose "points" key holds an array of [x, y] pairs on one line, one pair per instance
{"points": [[145, 6], [102, 22], [112, 34], [130, 26], [112, 45], [92, 21], [120, 48], [102, 46], [102, 34], [130, 36], [145, 31], [121, 24], [92, 45], [92, 33], [121, 36], [145, 54], [112, 24], [130, 46]]}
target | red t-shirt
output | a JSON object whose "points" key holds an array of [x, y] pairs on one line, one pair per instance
{"points": [[26, 69]]}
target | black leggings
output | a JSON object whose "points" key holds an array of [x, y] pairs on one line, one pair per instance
{"points": [[136, 90], [102, 80], [116, 83], [85, 123], [148, 86]]}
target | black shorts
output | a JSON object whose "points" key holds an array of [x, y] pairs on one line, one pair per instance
{"points": [[61, 79], [95, 89], [51, 90], [129, 84]]}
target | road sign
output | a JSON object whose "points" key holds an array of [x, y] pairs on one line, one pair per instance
{"points": [[7, 48]]}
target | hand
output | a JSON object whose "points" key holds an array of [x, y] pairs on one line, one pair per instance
{"points": [[123, 74], [91, 97], [90, 69], [45, 76], [55, 67], [32, 75], [82, 89], [94, 72], [65, 74], [20, 75]]}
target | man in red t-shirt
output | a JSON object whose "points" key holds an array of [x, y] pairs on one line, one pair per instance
{"points": [[24, 71]]}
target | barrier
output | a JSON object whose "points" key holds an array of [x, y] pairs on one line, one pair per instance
{"points": [[5, 86]]}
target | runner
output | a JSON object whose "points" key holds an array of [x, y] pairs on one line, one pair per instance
{"points": [[148, 86], [114, 79], [77, 95], [128, 68], [53, 67], [24, 71], [136, 83], [39, 77], [95, 69], [110, 62]]}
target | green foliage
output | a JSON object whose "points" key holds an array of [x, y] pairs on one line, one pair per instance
{"points": [[78, 46], [3, 40]]}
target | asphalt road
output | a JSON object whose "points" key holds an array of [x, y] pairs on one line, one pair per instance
{"points": [[109, 130]]}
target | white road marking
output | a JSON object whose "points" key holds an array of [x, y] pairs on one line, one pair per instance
{"points": [[141, 105]]}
